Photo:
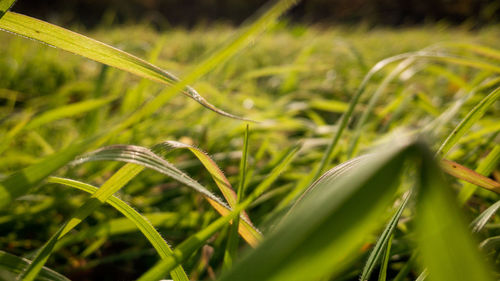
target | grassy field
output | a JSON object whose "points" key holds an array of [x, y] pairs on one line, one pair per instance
{"points": [[296, 82]]}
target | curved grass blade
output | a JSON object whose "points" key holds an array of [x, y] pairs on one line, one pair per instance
{"points": [[472, 117], [486, 167], [478, 224], [187, 247], [446, 248], [17, 264], [331, 221], [112, 185], [469, 175], [21, 182], [140, 222], [87, 47], [382, 241], [217, 175], [145, 157]]}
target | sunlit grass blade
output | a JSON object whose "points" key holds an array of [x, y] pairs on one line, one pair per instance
{"points": [[19, 183], [187, 247], [469, 175], [95, 50], [232, 240], [486, 167], [472, 117], [111, 186], [445, 245], [382, 241], [146, 158], [15, 264], [484, 217], [140, 221], [332, 221], [210, 165], [66, 111], [5, 5]]}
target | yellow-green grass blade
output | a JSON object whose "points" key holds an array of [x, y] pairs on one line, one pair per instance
{"points": [[112, 185], [19, 183], [444, 243], [15, 264], [469, 175], [332, 220], [481, 220], [94, 50], [187, 247], [215, 172], [67, 111], [383, 241], [232, 240], [486, 167], [472, 117], [139, 221], [147, 158], [5, 5], [385, 262]]}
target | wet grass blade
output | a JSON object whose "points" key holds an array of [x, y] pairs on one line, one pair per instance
{"points": [[383, 240], [472, 117], [17, 264], [139, 221]]}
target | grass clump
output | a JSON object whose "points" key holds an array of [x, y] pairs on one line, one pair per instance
{"points": [[347, 122]]}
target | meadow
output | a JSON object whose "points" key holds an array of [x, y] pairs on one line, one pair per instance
{"points": [[351, 152]]}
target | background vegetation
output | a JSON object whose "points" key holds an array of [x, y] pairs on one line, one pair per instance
{"points": [[297, 81]]}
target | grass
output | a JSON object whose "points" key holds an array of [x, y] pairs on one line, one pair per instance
{"points": [[339, 178]]}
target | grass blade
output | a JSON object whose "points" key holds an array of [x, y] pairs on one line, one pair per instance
{"points": [[383, 240], [472, 117], [486, 167], [469, 175], [186, 248], [5, 5], [17, 264], [146, 158], [484, 217], [94, 50], [383, 270], [140, 222], [232, 241]]}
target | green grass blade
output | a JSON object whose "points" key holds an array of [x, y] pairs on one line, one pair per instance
{"points": [[146, 158], [186, 248], [383, 240], [67, 111], [140, 222], [331, 221], [385, 261], [472, 117], [445, 245], [19, 183], [17, 264], [484, 217], [215, 172], [486, 167], [94, 50], [112, 185], [5, 5], [232, 241]]}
